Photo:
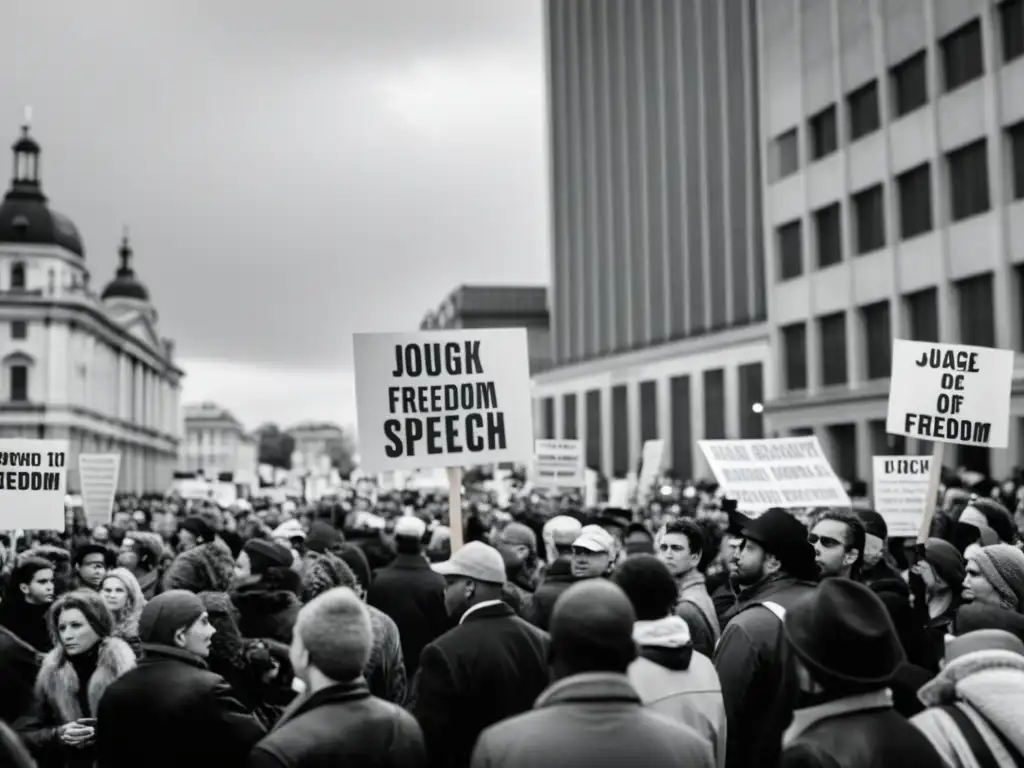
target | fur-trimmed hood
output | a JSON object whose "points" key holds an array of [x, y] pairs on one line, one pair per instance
{"points": [[205, 568], [59, 685], [268, 605]]}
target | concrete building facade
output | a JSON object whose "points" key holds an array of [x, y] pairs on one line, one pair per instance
{"points": [[893, 158], [215, 442], [658, 304]]}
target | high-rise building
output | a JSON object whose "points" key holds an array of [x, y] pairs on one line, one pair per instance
{"points": [[893, 154], [658, 304], [90, 369]]}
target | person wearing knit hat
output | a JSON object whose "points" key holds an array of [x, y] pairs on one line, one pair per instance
{"points": [[936, 581], [323, 537], [263, 554], [193, 532], [173, 692], [559, 533], [995, 576], [203, 568], [876, 535], [847, 654]]}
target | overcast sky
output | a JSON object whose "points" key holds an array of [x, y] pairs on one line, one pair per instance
{"points": [[290, 172]]}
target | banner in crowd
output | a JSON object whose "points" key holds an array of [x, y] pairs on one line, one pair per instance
{"points": [[98, 474], [558, 464], [443, 398], [900, 485], [788, 472], [33, 483], [652, 463], [950, 393]]}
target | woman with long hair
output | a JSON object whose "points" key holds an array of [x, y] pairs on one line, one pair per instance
{"points": [[85, 660], [122, 593]]}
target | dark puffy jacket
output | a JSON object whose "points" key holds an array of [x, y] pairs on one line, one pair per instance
{"points": [[557, 579]]}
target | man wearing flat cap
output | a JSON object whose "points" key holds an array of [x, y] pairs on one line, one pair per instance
{"points": [[775, 568], [489, 667]]}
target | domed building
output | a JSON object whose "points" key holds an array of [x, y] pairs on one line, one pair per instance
{"points": [[90, 369]]}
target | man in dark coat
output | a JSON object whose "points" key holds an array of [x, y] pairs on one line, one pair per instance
{"points": [[411, 593], [493, 665], [847, 652], [337, 721], [29, 595], [19, 665], [171, 710], [775, 568]]}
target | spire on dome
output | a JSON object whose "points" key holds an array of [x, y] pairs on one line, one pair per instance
{"points": [[125, 252], [26, 157], [125, 285]]}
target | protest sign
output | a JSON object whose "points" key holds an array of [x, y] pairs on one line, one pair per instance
{"points": [[901, 491], [786, 472], [950, 393], [651, 466], [98, 474], [443, 398], [558, 464], [33, 483], [618, 493]]}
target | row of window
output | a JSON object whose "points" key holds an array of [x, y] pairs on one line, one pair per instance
{"points": [[750, 379], [969, 195], [976, 319], [963, 61]]}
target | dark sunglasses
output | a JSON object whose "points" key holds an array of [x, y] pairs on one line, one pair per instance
{"points": [[826, 541]]}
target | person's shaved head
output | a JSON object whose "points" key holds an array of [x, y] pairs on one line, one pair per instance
{"points": [[592, 629]]}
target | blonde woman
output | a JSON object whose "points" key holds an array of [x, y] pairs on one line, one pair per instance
{"points": [[122, 593]]}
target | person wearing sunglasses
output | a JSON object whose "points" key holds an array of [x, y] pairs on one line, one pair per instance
{"points": [[838, 541]]}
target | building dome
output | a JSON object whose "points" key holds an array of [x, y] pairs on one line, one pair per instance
{"points": [[25, 216], [125, 285]]}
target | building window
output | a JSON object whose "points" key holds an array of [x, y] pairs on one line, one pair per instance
{"points": [[824, 137], [863, 106], [790, 250], [910, 84], [17, 276], [548, 417], [1011, 21], [962, 59], [829, 232], [620, 431], [682, 440], [832, 329], [923, 315], [877, 340], [592, 413], [19, 329], [915, 191], [794, 346], [751, 381], [648, 411], [569, 430], [1016, 134], [787, 154], [714, 404], [968, 180], [869, 213], [977, 316], [19, 383]]}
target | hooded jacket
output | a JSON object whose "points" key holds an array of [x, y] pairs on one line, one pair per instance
{"points": [[268, 605], [988, 686], [677, 681]]}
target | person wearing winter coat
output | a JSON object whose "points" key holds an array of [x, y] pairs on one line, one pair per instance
{"points": [[670, 675], [201, 568], [559, 534], [13, 753], [29, 595], [85, 661], [268, 601], [775, 566], [171, 711], [19, 665], [846, 653], [974, 704], [143, 554], [680, 544], [122, 593]]}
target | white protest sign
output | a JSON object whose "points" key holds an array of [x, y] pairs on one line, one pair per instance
{"points": [[558, 464], [901, 491], [651, 465], [786, 472], [590, 478], [950, 393], [443, 398], [97, 475], [618, 493], [33, 483]]}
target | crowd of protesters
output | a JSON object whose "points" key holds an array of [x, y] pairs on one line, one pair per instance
{"points": [[680, 634]]}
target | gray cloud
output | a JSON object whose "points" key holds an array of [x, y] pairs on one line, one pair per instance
{"points": [[290, 172]]}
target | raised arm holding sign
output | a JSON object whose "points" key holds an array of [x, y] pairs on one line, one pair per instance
{"points": [[443, 399]]}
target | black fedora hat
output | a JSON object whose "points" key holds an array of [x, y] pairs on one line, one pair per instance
{"points": [[782, 535], [843, 635]]}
